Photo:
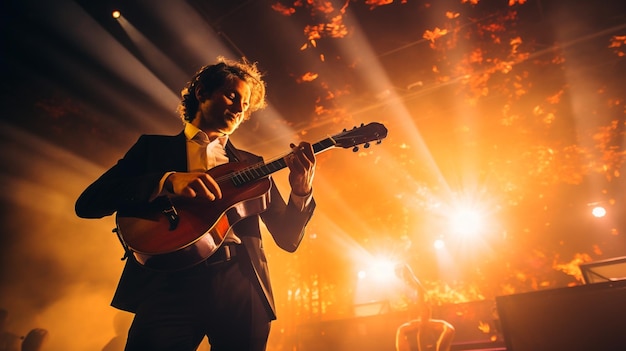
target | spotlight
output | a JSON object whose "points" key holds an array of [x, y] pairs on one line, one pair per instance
{"points": [[466, 222], [439, 244], [598, 211], [379, 269], [116, 14]]}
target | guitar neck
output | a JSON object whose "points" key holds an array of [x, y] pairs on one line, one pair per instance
{"points": [[348, 138], [263, 170]]}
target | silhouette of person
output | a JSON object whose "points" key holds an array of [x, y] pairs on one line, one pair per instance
{"points": [[35, 340], [422, 333], [8, 341]]}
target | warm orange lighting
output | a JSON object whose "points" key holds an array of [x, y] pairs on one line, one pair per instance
{"points": [[502, 173]]}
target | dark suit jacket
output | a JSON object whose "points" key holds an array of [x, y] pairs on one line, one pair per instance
{"points": [[130, 184]]}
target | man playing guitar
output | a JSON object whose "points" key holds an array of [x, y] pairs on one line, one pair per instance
{"points": [[223, 291]]}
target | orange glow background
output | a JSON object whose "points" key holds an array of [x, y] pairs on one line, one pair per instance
{"points": [[513, 113]]}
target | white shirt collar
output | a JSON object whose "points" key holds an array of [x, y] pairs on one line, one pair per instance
{"points": [[195, 134]]}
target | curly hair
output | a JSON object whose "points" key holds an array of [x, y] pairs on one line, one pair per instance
{"points": [[213, 77]]}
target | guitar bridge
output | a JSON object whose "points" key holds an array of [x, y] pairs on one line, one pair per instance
{"points": [[172, 216]]}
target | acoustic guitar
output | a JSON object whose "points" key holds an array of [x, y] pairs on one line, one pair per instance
{"points": [[181, 232]]}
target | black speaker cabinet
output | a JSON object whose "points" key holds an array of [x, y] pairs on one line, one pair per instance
{"points": [[589, 317], [604, 271]]}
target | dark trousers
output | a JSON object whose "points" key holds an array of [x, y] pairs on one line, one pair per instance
{"points": [[218, 300]]}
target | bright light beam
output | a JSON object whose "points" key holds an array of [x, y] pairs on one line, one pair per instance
{"points": [[163, 66], [466, 222], [102, 49], [357, 49], [201, 44]]}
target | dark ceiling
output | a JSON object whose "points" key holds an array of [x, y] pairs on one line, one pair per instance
{"points": [[49, 45]]}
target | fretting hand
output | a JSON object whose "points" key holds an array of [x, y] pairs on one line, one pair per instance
{"points": [[301, 163]]}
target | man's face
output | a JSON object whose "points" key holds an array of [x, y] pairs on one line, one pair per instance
{"points": [[224, 110]]}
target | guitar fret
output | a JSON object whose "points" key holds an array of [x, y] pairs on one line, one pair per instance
{"points": [[323, 145], [281, 164], [238, 179], [253, 174]]}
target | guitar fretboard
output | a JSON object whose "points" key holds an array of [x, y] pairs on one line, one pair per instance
{"points": [[265, 169]]}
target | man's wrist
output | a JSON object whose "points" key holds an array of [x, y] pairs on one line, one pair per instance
{"points": [[301, 201]]}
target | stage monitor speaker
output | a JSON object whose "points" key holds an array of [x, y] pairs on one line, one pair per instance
{"points": [[581, 318], [604, 271]]}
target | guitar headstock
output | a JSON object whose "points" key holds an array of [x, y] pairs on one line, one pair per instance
{"points": [[360, 135]]}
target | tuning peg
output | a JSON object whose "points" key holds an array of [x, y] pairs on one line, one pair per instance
{"points": [[355, 149], [379, 142], [366, 145], [345, 130]]}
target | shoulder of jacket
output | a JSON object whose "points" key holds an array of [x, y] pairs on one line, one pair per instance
{"points": [[243, 154], [146, 138]]}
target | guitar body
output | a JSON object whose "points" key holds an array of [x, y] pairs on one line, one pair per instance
{"points": [[201, 225]]}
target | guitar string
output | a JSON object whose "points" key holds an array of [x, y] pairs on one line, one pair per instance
{"points": [[247, 169]]}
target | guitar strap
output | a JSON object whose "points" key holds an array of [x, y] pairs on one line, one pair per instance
{"points": [[232, 152]]}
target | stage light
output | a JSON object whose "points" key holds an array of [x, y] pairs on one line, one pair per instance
{"points": [[439, 244], [116, 14], [383, 270], [379, 269], [598, 211], [377, 286], [466, 222]]}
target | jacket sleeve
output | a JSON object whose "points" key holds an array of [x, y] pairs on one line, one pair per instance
{"points": [[127, 184], [285, 221]]}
